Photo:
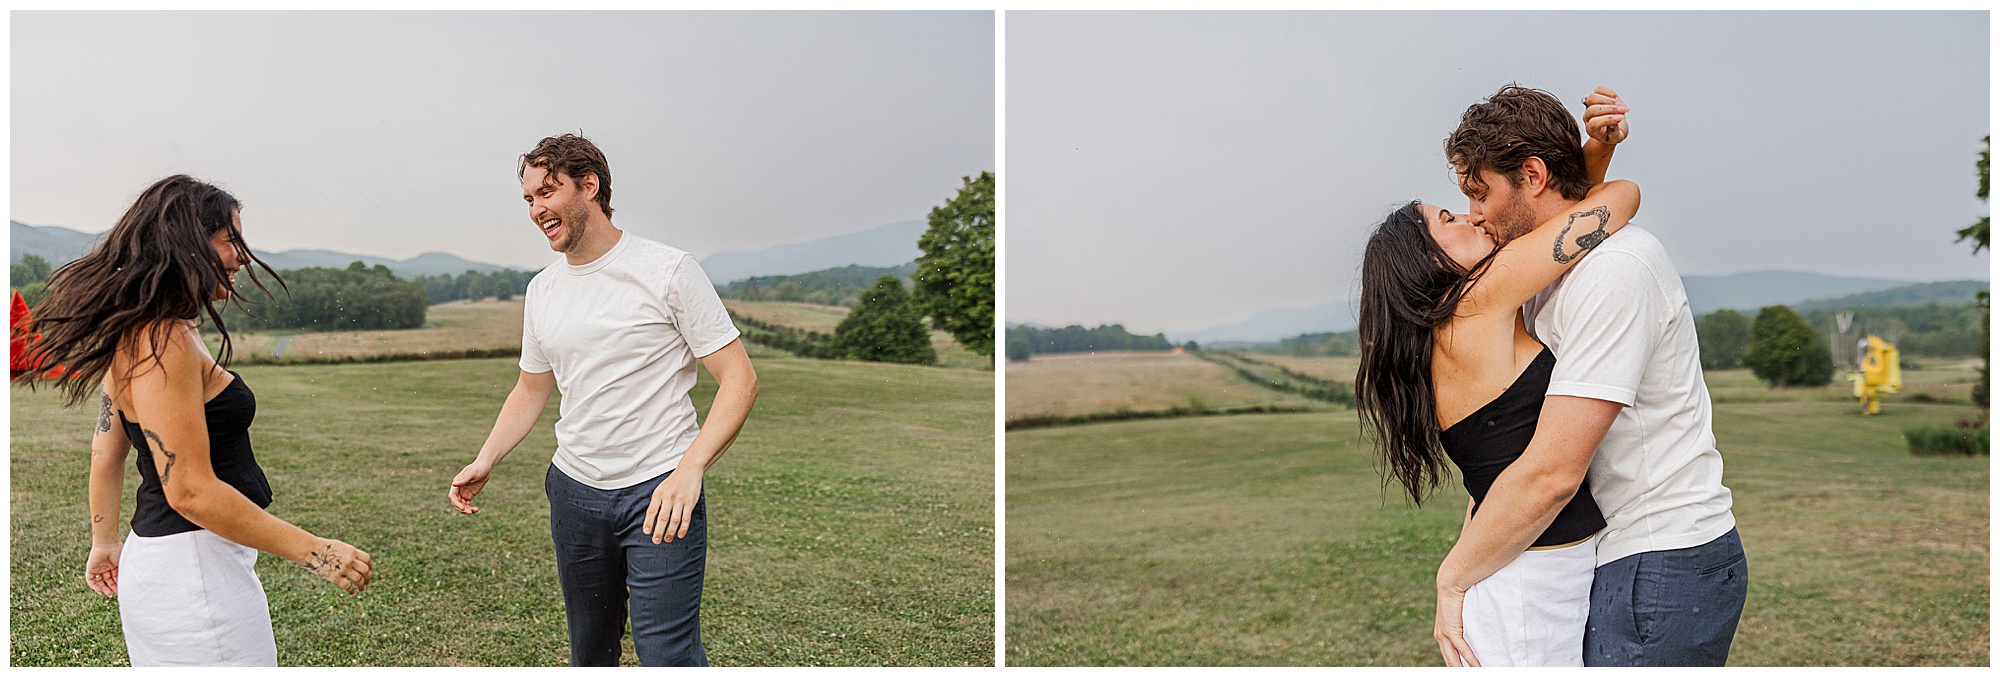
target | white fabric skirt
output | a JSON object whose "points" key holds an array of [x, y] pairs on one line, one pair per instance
{"points": [[1532, 612], [193, 599]]}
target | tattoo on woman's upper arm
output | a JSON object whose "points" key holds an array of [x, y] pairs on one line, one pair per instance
{"points": [[104, 415], [1586, 241], [161, 446]]}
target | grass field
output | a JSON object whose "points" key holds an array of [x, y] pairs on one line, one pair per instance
{"points": [[457, 325], [1073, 384], [1268, 540], [496, 325], [851, 523]]}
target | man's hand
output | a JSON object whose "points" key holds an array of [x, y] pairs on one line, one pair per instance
{"points": [[1604, 116], [341, 564], [101, 570], [1450, 629], [467, 485], [672, 509]]}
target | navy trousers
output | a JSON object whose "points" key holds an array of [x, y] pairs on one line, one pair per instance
{"points": [[1668, 608], [605, 561]]}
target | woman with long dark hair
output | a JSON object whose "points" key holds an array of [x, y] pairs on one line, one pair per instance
{"points": [[122, 321], [1449, 372]]}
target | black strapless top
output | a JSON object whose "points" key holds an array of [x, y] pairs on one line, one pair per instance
{"points": [[229, 414], [1489, 440]]}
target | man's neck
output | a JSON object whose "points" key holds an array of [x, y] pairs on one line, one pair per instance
{"points": [[598, 239]]}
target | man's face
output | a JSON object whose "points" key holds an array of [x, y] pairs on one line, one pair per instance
{"points": [[557, 204], [1499, 206]]}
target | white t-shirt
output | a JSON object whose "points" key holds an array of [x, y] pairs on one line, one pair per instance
{"points": [[622, 334], [1621, 330]]}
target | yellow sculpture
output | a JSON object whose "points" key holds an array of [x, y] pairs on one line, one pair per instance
{"points": [[1881, 373]]}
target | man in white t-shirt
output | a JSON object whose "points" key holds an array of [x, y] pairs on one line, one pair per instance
{"points": [[1626, 406], [617, 324]]}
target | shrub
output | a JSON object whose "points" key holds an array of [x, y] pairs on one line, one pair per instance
{"points": [[1938, 440]]}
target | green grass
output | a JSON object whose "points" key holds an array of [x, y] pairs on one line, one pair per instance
{"points": [[851, 523], [1267, 540]]}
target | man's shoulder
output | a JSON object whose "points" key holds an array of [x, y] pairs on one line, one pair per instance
{"points": [[652, 246], [1632, 250], [654, 254]]}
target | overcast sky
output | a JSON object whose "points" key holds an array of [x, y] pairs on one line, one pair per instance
{"points": [[1181, 171], [396, 133]]}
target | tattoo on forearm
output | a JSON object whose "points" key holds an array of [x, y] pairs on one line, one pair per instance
{"points": [[161, 446], [104, 415], [1586, 241], [322, 560], [96, 518]]}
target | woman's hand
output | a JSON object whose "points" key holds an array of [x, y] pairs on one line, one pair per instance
{"points": [[1604, 116], [101, 570], [339, 563], [1450, 628], [672, 509]]}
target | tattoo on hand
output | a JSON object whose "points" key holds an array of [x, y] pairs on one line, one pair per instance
{"points": [[322, 560], [161, 446], [1586, 241], [104, 415]]}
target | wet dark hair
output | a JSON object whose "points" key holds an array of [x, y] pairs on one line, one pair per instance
{"points": [[1409, 287], [572, 156], [156, 266], [1506, 129]]}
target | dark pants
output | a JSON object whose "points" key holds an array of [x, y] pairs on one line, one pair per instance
{"points": [[603, 557], [1671, 607]]}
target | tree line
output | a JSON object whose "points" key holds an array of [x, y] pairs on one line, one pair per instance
{"points": [[1024, 341], [328, 299], [1323, 344], [473, 285], [831, 287]]}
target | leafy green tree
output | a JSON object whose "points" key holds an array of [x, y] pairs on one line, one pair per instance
{"points": [[1977, 233], [885, 327], [1017, 348], [30, 270], [1785, 351], [34, 292], [1724, 335], [954, 275]]}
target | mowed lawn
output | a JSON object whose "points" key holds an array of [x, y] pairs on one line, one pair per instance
{"points": [[851, 523], [1268, 540], [1075, 384]]}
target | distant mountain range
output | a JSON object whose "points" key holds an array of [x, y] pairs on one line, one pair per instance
{"points": [[1741, 291], [884, 247], [61, 245], [887, 246]]}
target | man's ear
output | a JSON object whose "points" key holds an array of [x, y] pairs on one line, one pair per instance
{"points": [[1534, 177], [589, 185]]}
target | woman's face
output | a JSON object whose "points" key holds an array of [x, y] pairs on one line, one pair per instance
{"points": [[1463, 242], [232, 256]]}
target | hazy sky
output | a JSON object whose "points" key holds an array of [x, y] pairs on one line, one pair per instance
{"points": [[1186, 170], [396, 133]]}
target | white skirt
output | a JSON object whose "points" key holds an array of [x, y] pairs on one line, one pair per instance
{"points": [[193, 599], [1532, 612]]}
